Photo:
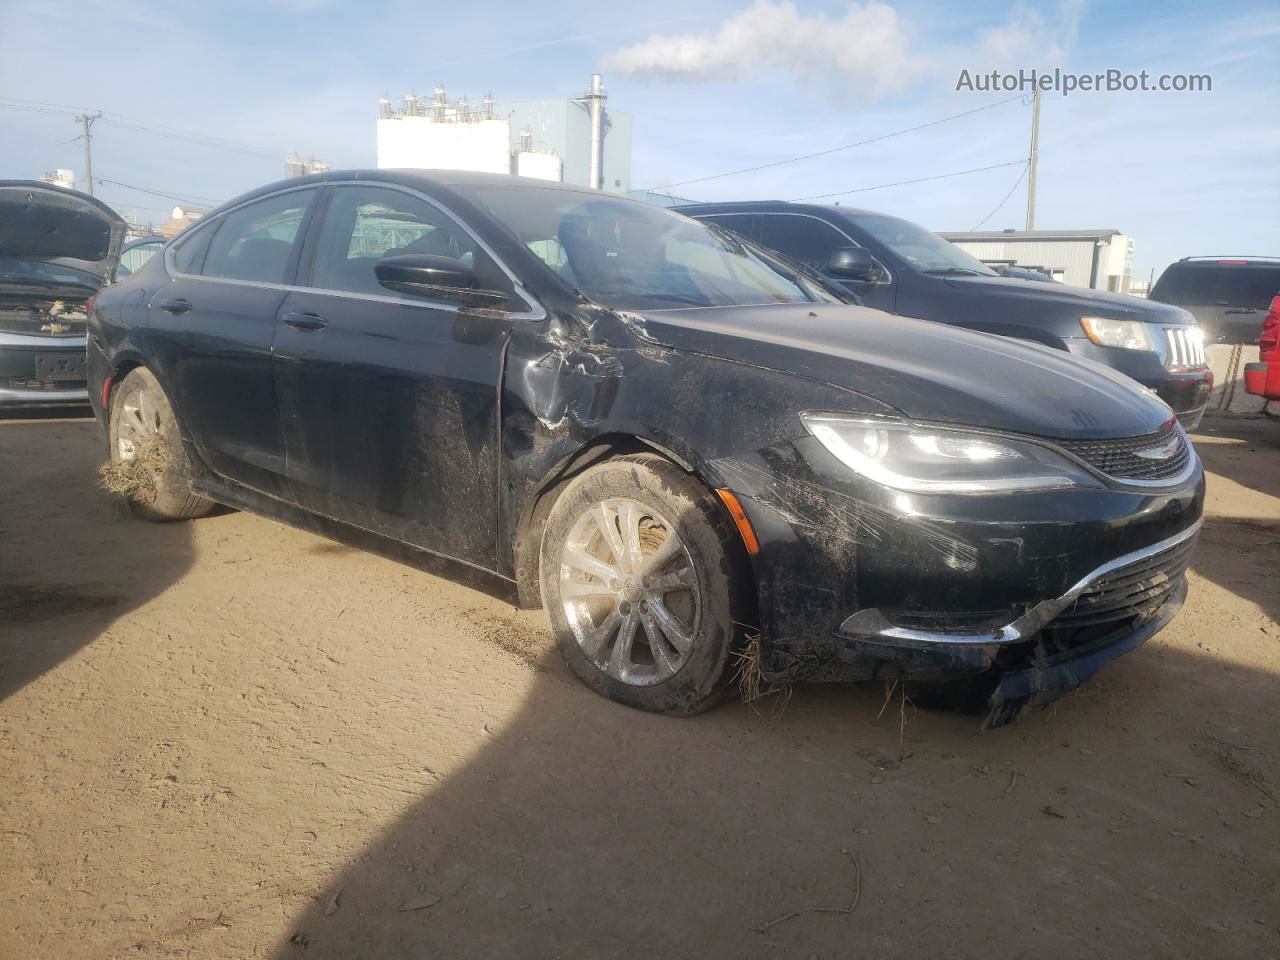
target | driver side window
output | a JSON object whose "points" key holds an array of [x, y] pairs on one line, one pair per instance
{"points": [[364, 225]]}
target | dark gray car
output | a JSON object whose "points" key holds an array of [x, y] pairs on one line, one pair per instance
{"points": [[901, 267], [1228, 296]]}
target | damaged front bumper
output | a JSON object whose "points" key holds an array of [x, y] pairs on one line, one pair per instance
{"points": [[1017, 597], [1051, 648]]}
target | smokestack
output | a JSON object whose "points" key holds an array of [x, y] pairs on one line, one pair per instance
{"points": [[595, 107]]}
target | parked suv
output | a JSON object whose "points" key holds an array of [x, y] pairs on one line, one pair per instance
{"points": [[57, 248], [1228, 296], [903, 268], [657, 430]]}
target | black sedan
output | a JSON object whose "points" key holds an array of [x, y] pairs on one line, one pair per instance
{"points": [[669, 438]]}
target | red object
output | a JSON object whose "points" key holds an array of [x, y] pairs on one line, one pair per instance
{"points": [[1263, 378], [740, 519], [1234, 263], [106, 394]]}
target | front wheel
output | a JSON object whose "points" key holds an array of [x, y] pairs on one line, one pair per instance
{"points": [[642, 575]]}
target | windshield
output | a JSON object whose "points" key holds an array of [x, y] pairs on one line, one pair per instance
{"points": [[630, 255], [38, 273], [925, 251]]}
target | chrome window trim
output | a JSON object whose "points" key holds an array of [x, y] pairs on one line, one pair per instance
{"points": [[809, 216], [871, 623], [534, 310]]}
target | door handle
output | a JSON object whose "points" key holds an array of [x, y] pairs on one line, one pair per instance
{"points": [[180, 305], [305, 321]]}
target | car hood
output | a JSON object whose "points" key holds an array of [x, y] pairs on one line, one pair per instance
{"points": [[47, 223], [1114, 305], [929, 371]]}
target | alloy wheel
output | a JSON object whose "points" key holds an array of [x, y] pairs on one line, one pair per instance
{"points": [[629, 591]]}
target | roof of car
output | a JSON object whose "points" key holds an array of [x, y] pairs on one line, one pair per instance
{"points": [[1229, 260], [449, 179], [774, 206]]}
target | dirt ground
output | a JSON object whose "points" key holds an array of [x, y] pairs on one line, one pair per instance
{"points": [[233, 739]]}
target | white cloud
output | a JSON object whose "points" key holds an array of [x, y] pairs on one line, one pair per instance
{"points": [[864, 50], [865, 54]]}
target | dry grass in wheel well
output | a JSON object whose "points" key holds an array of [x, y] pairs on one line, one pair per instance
{"points": [[135, 479], [752, 685]]}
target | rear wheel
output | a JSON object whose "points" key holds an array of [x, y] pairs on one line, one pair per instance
{"points": [[149, 466], [642, 574]]}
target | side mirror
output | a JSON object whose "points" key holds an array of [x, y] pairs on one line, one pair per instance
{"points": [[854, 263], [422, 275]]}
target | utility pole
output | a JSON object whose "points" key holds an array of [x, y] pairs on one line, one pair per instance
{"points": [[87, 121], [1035, 156]]}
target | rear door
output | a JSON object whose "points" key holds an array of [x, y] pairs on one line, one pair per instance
{"points": [[812, 241], [388, 401], [212, 328]]}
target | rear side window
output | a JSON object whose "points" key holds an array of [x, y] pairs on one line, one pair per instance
{"points": [[740, 223], [802, 238], [257, 241], [132, 259], [1213, 284], [189, 249]]}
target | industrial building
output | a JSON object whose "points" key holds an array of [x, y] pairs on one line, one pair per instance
{"points": [[566, 139], [1099, 259], [299, 166], [60, 178]]}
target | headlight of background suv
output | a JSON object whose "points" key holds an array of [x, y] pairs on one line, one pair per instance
{"points": [[1105, 332], [924, 460]]}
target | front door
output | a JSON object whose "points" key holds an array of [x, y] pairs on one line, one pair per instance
{"points": [[212, 327], [389, 402]]}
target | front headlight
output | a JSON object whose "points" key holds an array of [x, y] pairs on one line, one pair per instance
{"points": [[1127, 334], [925, 460]]}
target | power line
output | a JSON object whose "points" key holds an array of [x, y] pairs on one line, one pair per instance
{"points": [[847, 146], [144, 126], [902, 183], [1004, 200], [189, 198]]}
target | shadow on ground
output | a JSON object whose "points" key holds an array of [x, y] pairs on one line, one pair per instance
{"points": [[72, 559], [1236, 543]]}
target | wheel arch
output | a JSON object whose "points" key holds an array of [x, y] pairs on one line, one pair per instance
{"points": [[532, 522]]}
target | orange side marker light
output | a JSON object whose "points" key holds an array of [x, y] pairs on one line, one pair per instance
{"points": [[739, 515]]}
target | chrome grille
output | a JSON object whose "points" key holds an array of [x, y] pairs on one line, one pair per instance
{"points": [[1122, 458], [1183, 347], [1136, 590]]}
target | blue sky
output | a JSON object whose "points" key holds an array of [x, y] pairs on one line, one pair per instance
{"points": [[735, 85]]}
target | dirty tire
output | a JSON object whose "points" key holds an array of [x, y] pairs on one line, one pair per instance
{"points": [[139, 406], [712, 562]]}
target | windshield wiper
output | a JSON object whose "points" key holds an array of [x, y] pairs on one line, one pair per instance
{"points": [[954, 272]]}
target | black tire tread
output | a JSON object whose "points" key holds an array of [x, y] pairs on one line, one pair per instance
{"points": [[710, 535]]}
